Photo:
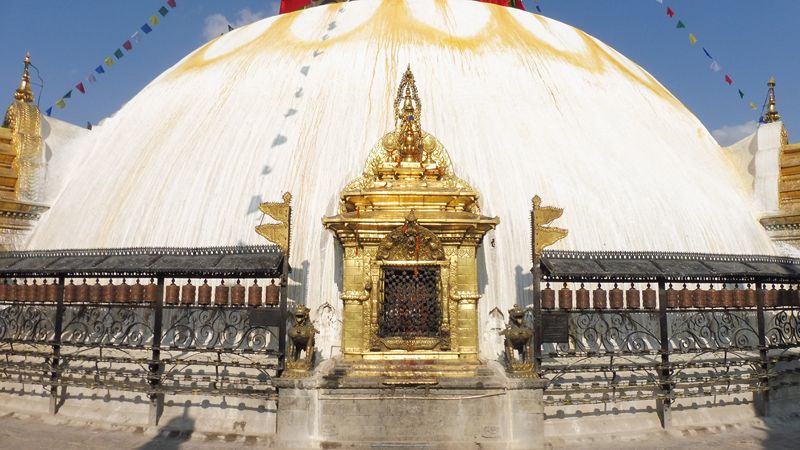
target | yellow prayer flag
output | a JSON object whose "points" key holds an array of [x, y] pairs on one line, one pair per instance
{"points": [[153, 20], [109, 61], [753, 106], [692, 39], [61, 104]]}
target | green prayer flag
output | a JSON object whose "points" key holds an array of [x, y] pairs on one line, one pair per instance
{"points": [[741, 94], [680, 25], [68, 94], [163, 11], [118, 54]]}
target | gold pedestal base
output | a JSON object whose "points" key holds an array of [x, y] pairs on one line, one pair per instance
{"points": [[409, 368]]}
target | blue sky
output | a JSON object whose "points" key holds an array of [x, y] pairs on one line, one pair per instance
{"points": [[751, 40]]}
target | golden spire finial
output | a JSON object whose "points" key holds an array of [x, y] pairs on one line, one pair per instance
{"points": [[772, 113], [24, 92], [407, 118]]}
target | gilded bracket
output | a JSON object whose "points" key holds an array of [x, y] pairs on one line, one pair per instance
{"points": [[279, 233], [544, 236]]}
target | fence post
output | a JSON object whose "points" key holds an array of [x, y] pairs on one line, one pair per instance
{"points": [[762, 396], [283, 312], [56, 359], [155, 366], [664, 404], [537, 315]]}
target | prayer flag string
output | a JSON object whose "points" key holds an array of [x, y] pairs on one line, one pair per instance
{"points": [[714, 66], [115, 56]]}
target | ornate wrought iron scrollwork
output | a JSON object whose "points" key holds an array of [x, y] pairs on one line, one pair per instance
{"points": [[215, 328], [112, 325], [711, 330], [593, 332], [782, 328], [32, 323]]}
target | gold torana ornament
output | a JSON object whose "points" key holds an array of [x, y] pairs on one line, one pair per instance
{"points": [[410, 229], [544, 236], [279, 233], [408, 143]]}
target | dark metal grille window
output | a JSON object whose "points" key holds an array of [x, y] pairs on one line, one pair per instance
{"points": [[411, 303]]}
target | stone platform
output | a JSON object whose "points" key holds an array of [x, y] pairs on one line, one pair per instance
{"points": [[488, 410]]}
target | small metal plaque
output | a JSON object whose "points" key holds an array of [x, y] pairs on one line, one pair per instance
{"points": [[555, 327], [263, 317]]}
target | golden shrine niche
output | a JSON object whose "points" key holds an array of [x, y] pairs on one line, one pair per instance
{"points": [[410, 230]]}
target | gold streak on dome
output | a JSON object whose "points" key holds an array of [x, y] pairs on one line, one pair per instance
{"points": [[24, 92]]}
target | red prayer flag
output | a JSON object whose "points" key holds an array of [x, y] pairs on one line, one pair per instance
{"points": [[171, 3], [728, 79], [80, 87], [127, 45], [288, 6], [670, 12]]}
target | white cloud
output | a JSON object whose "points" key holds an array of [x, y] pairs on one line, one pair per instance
{"points": [[731, 134], [217, 24]]}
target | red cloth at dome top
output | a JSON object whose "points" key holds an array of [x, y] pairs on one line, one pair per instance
{"points": [[512, 3], [288, 6]]}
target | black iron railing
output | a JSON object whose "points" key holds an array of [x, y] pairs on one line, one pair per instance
{"points": [[621, 327], [217, 328]]}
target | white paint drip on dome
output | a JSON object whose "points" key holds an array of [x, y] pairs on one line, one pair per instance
{"points": [[235, 39], [556, 34], [331, 19], [465, 21], [346, 22], [306, 26]]}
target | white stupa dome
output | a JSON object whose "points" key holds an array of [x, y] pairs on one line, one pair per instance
{"points": [[524, 104]]}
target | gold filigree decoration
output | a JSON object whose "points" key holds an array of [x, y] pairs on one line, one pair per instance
{"points": [[408, 143], [545, 236], [279, 233], [410, 242]]}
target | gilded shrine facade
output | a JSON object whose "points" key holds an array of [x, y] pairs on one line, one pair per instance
{"points": [[410, 229]]}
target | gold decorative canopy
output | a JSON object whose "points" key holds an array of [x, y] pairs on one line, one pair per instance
{"points": [[408, 155], [771, 115], [410, 229]]}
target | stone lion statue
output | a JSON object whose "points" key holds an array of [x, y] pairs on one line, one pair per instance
{"points": [[301, 339], [518, 336]]}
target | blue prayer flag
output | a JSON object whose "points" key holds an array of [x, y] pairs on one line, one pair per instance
{"points": [[146, 28], [99, 69], [538, 8], [707, 54], [49, 111]]}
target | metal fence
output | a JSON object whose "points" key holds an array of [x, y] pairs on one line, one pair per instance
{"points": [[632, 334], [222, 333]]}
